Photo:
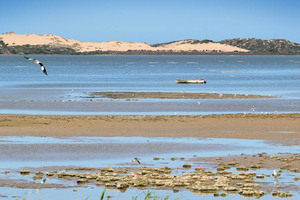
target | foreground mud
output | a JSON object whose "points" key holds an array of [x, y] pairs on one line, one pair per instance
{"points": [[245, 175]]}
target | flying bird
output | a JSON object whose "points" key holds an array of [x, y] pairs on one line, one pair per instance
{"points": [[135, 160], [38, 63]]}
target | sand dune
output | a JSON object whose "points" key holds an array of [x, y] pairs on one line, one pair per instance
{"points": [[188, 45], [48, 39]]}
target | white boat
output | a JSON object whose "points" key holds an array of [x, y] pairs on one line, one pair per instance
{"points": [[193, 81]]}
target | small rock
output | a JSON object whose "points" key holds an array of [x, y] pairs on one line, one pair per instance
{"points": [[255, 166], [108, 169], [233, 163], [82, 181], [39, 173], [186, 165], [205, 188], [24, 172], [230, 188], [275, 193], [294, 170], [37, 177], [216, 195], [220, 168], [260, 176], [251, 185], [110, 185], [282, 194], [247, 192], [242, 168], [122, 185]]}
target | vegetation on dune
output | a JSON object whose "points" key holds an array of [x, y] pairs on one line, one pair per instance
{"points": [[36, 49], [161, 52], [265, 47], [3, 47], [189, 41]]}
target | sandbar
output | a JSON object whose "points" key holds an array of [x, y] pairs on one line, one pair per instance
{"points": [[281, 128], [171, 95]]}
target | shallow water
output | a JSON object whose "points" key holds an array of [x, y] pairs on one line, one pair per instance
{"points": [[21, 152], [45, 153], [25, 89]]}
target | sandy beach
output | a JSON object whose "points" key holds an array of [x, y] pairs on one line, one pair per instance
{"points": [[282, 127]]}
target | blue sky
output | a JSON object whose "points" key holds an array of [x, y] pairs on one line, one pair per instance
{"points": [[153, 21]]}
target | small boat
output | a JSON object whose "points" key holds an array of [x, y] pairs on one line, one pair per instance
{"points": [[195, 81]]}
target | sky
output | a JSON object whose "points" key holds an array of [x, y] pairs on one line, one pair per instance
{"points": [[153, 21]]}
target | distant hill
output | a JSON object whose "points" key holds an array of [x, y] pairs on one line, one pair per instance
{"points": [[190, 41], [259, 46], [11, 43]]}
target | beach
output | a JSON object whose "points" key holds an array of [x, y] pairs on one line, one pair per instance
{"points": [[243, 165], [279, 127]]}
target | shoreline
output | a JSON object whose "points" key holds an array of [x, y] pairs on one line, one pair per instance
{"points": [[194, 173], [128, 54], [278, 128]]}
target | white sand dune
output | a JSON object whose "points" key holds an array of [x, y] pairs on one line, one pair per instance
{"points": [[185, 45]]}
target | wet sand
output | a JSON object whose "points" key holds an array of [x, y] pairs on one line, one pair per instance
{"points": [[281, 128], [236, 174], [171, 95]]}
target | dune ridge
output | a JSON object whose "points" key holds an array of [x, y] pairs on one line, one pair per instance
{"points": [[12, 39]]}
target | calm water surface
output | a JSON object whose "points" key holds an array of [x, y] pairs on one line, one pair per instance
{"points": [[25, 89]]}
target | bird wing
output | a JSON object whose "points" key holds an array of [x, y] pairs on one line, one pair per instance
{"points": [[43, 69], [38, 63], [32, 59], [29, 58]]}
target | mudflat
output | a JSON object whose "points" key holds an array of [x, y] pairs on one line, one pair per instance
{"points": [[250, 169], [283, 128], [171, 95]]}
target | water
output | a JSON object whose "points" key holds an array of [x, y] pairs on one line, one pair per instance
{"points": [[48, 153], [22, 152], [25, 89]]}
